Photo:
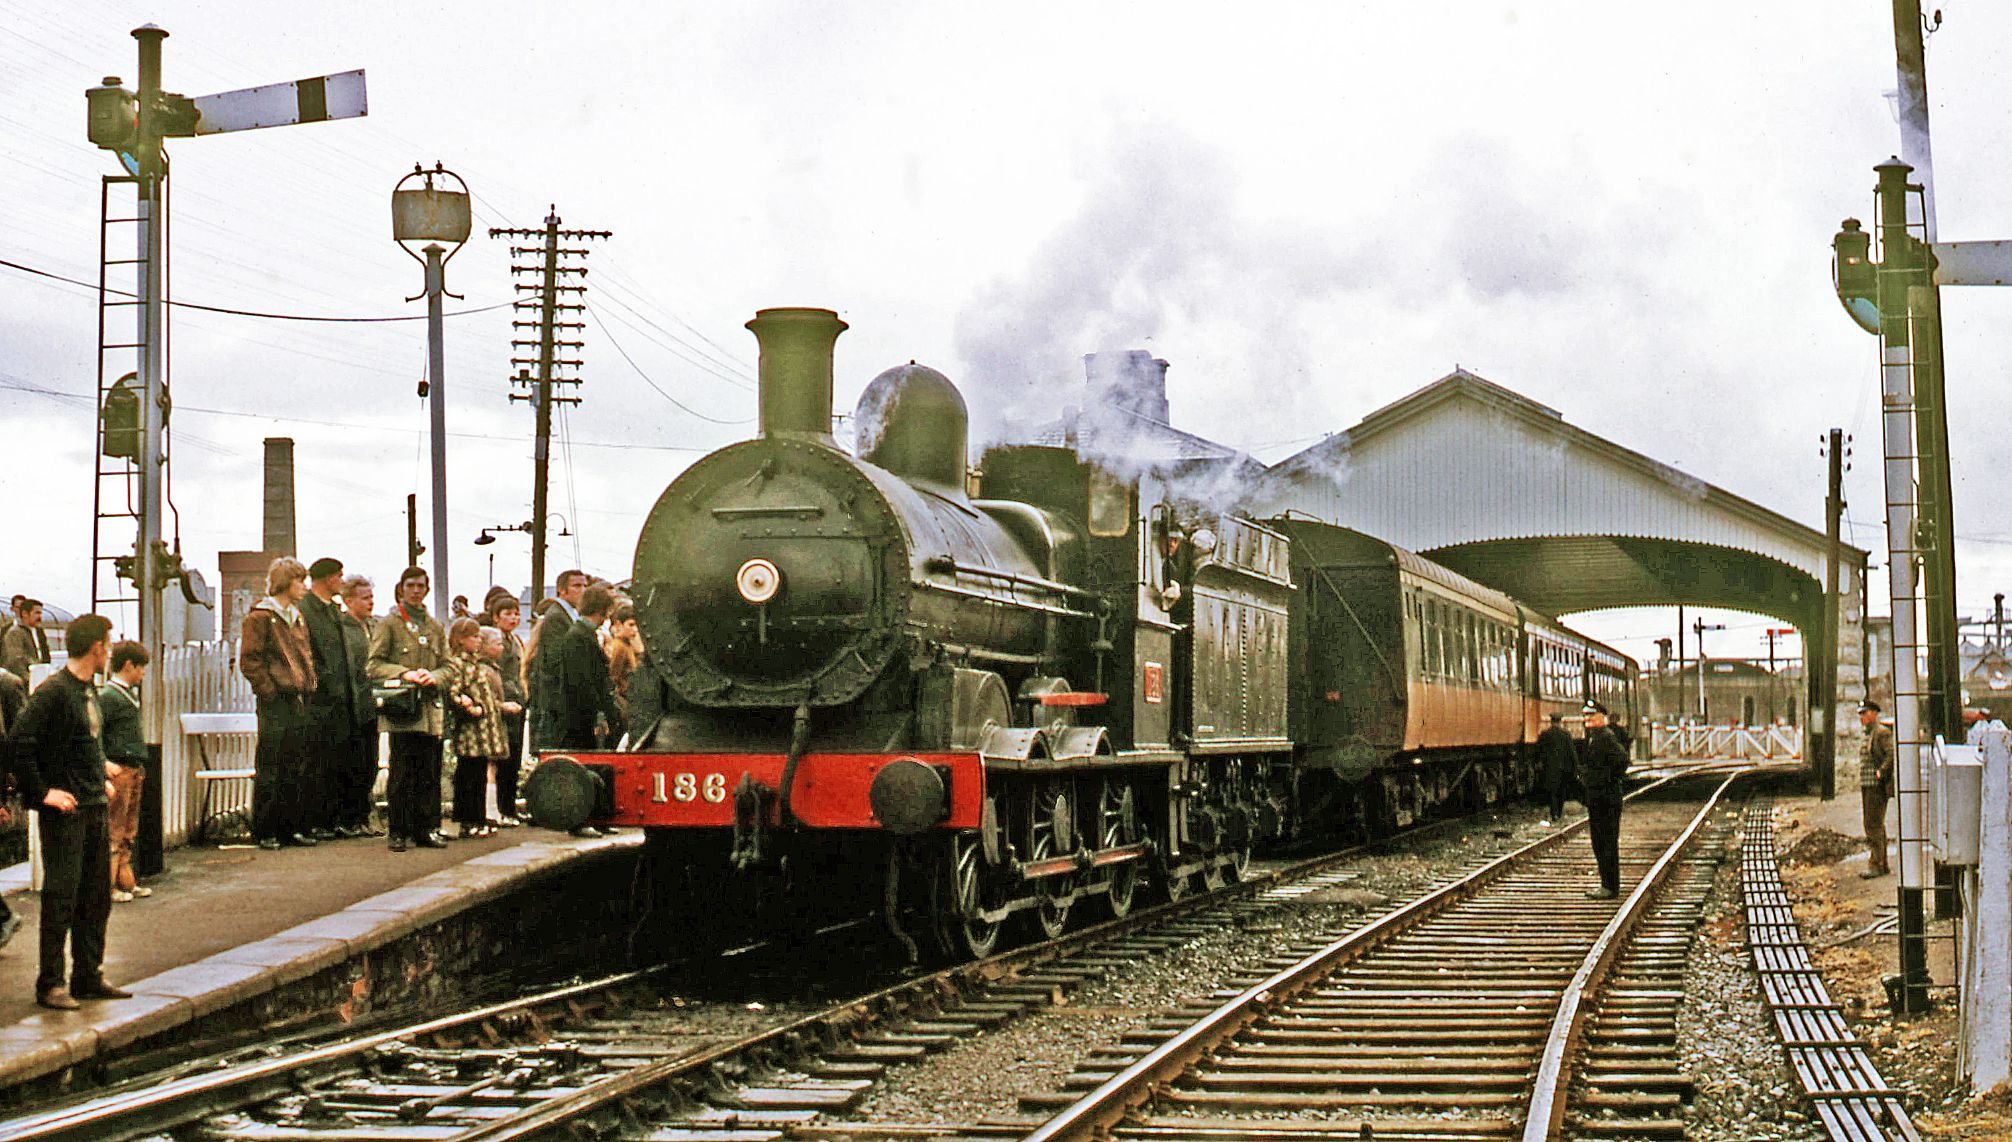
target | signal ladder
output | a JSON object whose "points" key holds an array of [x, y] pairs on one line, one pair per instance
{"points": [[115, 492]]}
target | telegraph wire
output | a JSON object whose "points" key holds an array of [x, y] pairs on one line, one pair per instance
{"points": [[92, 286], [610, 334], [285, 418]]}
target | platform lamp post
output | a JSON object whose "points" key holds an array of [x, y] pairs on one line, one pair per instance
{"points": [[529, 527], [433, 214]]}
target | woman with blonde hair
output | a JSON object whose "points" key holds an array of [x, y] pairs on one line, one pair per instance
{"points": [[274, 656]]}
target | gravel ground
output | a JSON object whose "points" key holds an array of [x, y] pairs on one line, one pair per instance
{"points": [[1745, 1089], [984, 1077]]}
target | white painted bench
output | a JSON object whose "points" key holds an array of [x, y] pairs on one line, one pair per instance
{"points": [[208, 730]]}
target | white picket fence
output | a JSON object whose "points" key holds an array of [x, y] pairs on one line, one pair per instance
{"points": [[201, 678], [1726, 741]]}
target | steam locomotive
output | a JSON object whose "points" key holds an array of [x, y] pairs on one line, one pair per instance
{"points": [[864, 681]]}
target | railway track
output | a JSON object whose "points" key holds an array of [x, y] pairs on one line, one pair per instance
{"points": [[1506, 1005], [613, 1051]]}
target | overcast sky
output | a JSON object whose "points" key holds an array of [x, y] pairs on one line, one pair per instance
{"points": [[1310, 209]]}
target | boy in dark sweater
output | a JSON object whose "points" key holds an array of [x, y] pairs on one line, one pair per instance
{"points": [[55, 753]]}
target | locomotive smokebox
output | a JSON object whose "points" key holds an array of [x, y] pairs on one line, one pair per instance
{"points": [[912, 421], [796, 371]]}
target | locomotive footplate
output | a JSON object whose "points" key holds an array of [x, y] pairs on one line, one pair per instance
{"points": [[831, 790]]}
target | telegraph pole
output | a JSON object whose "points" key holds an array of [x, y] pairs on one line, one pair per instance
{"points": [[1700, 626], [413, 548], [558, 329]]}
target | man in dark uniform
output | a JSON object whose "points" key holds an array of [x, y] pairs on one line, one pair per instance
{"points": [[1875, 785], [331, 709], [55, 752], [1602, 767], [1557, 756]]}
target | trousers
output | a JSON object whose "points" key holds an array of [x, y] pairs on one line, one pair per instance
{"points": [[358, 778], [122, 823], [76, 894], [412, 793], [280, 786], [1604, 824], [1873, 799]]}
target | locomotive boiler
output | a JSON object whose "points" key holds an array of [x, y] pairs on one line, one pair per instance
{"points": [[966, 700]]}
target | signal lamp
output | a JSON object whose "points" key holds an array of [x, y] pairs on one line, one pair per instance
{"points": [[1854, 275]]}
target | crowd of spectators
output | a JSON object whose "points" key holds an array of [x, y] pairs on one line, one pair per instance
{"points": [[331, 678]]}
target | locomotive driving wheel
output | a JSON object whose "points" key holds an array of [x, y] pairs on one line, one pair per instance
{"points": [[959, 929], [1051, 836], [1118, 820]]}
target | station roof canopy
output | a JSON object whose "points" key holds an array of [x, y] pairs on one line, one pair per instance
{"points": [[1504, 490]]}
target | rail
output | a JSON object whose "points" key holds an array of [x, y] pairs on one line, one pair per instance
{"points": [[1098, 1113], [1554, 1071]]}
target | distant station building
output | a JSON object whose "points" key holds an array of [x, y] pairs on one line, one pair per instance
{"points": [[1725, 692]]}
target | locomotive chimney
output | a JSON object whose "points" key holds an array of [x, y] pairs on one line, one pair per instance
{"points": [[1132, 379], [796, 371]]}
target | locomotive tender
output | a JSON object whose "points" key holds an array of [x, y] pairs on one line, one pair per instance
{"points": [[1077, 683]]}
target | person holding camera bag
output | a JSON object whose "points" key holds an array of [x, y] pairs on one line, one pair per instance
{"points": [[407, 653]]}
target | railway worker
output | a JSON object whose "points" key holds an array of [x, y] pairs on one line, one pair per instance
{"points": [[1875, 785], [504, 614], [410, 646], [1602, 768], [1557, 757], [274, 656], [475, 690], [356, 779], [332, 706], [125, 763], [562, 612], [56, 753]]}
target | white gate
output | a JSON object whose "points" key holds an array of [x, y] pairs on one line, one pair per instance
{"points": [[1763, 742], [201, 678]]}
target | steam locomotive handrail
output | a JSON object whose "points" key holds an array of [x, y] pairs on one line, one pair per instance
{"points": [[951, 564], [1025, 604]]}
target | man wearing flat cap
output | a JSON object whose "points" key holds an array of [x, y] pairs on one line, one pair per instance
{"points": [[1603, 765], [1875, 785]]}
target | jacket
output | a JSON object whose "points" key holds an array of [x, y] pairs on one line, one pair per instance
{"points": [[511, 666], [22, 648], [1875, 759], [334, 698], [356, 658], [1603, 765], [1556, 752], [414, 641], [580, 690], [55, 744], [273, 654], [13, 696], [119, 714], [472, 680], [550, 631]]}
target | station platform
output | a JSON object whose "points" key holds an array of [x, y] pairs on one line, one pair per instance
{"points": [[226, 925]]}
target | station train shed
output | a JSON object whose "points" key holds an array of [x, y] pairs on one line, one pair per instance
{"points": [[1503, 490]]}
